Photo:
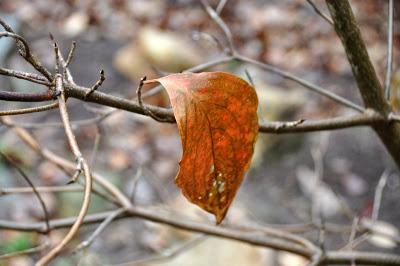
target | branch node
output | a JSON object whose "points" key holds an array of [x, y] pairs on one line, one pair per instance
{"points": [[78, 170]]}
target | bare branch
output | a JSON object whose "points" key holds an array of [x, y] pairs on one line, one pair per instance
{"points": [[30, 183], [97, 84], [26, 76], [30, 110], [215, 16], [18, 190], [302, 82], [25, 252], [24, 51], [364, 72], [320, 13], [220, 6], [331, 257], [378, 195], [19, 39], [27, 97], [88, 178], [389, 57], [70, 55], [167, 254], [369, 118], [97, 232], [65, 164], [147, 111]]}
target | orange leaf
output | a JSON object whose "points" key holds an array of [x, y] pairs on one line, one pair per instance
{"points": [[216, 114]]}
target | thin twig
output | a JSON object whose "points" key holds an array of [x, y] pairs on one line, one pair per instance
{"points": [[24, 252], [167, 254], [302, 82], [356, 242], [97, 84], [251, 81], [95, 148], [275, 232], [88, 178], [18, 38], [100, 118], [147, 110], [65, 164], [24, 51], [220, 6], [57, 54], [215, 16], [135, 180], [378, 194], [35, 78], [70, 55], [49, 189], [270, 68], [30, 183], [319, 12], [353, 232], [85, 244], [352, 236], [197, 35], [389, 57], [333, 257], [29, 110]]}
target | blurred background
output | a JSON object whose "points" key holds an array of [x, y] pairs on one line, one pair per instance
{"points": [[130, 39]]}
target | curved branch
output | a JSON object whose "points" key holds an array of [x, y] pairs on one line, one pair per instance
{"points": [[331, 257], [30, 110], [81, 163], [18, 39], [32, 186], [24, 50]]}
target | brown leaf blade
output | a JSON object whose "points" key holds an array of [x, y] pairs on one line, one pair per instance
{"points": [[216, 113]]}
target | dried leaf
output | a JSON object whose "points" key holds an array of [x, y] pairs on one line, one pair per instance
{"points": [[216, 114]]}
